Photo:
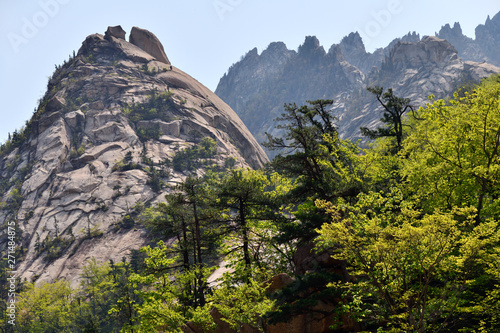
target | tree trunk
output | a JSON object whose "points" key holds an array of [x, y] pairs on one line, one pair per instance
{"points": [[244, 230]]}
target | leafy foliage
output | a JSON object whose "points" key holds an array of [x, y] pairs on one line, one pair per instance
{"points": [[47, 307], [415, 266], [454, 152], [411, 235], [242, 305]]}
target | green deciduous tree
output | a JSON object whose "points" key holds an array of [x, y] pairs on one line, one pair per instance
{"points": [[242, 305], [105, 296], [410, 271], [454, 152], [46, 307]]}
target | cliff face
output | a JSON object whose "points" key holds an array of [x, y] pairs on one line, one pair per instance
{"points": [[415, 68], [259, 85], [99, 146]]}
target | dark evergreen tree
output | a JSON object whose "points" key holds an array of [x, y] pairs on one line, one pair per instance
{"points": [[320, 163], [241, 193], [392, 116]]}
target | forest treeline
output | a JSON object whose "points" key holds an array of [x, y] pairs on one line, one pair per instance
{"points": [[413, 220]]}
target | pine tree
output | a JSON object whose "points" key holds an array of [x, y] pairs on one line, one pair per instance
{"points": [[392, 116]]}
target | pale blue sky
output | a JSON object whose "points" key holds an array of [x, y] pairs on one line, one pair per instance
{"points": [[201, 37]]}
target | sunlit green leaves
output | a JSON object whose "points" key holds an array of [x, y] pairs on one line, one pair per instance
{"points": [[417, 265], [454, 151]]}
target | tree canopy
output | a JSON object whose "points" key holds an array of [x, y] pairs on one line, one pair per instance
{"points": [[409, 238]]}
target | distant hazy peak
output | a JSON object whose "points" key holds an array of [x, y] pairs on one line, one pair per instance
{"points": [[491, 26], [311, 44], [453, 35], [276, 47], [353, 41], [336, 52], [412, 37]]}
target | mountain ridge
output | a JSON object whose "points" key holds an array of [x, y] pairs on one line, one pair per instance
{"points": [[344, 72]]}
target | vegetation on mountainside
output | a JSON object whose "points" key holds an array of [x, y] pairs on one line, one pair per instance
{"points": [[412, 223]]}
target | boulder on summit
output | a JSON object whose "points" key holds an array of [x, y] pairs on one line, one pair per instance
{"points": [[116, 32], [147, 41]]}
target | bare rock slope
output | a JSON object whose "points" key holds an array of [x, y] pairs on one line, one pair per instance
{"points": [[89, 157]]}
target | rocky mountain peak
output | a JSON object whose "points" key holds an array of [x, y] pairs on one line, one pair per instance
{"points": [[488, 40], [275, 49], [251, 55], [336, 52], [447, 30], [415, 68], [106, 139], [311, 46], [454, 35], [491, 24], [352, 43], [353, 49], [410, 37]]}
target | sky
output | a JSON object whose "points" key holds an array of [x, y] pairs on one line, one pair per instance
{"points": [[201, 37]]}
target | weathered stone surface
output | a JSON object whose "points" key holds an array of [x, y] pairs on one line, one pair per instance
{"points": [[147, 41], [429, 51], [48, 121], [75, 119], [55, 103], [116, 31], [172, 128], [72, 156], [133, 52]]}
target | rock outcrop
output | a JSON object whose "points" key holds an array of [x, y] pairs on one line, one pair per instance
{"points": [[353, 49], [116, 32], [413, 70], [431, 51], [147, 41], [86, 167]]}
